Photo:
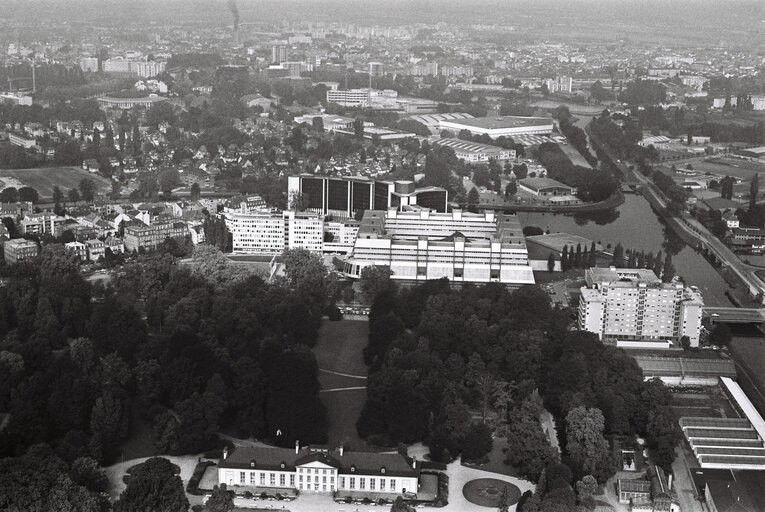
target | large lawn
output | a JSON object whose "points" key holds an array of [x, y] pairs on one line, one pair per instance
{"points": [[339, 349], [43, 179]]}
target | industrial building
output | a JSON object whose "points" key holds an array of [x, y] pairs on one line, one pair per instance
{"points": [[422, 245], [632, 308], [728, 443], [474, 152], [682, 371], [497, 126]]}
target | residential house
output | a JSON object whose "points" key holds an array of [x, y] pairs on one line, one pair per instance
{"points": [[96, 249], [79, 249], [19, 249]]}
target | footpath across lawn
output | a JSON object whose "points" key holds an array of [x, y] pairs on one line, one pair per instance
{"points": [[339, 349]]}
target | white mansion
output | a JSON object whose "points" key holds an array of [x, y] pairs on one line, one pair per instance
{"points": [[317, 470]]}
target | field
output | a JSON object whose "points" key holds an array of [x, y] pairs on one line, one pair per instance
{"points": [[45, 178], [742, 169], [339, 350]]}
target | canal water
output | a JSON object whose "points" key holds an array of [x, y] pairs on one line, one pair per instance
{"points": [[635, 225]]}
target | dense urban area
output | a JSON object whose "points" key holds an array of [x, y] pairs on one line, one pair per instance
{"points": [[332, 256]]}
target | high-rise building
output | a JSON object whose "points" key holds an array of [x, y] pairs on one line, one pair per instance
{"points": [[422, 245], [628, 306], [278, 54], [376, 69], [342, 197], [271, 231]]}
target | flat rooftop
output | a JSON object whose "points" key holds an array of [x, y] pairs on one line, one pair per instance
{"points": [[498, 123], [635, 275]]}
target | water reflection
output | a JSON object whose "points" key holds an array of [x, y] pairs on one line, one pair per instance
{"points": [[635, 226]]}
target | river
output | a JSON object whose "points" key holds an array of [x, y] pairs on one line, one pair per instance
{"points": [[636, 226]]}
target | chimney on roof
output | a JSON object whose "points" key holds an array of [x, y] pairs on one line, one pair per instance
{"points": [[297, 446], [341, 450], [669, 483], [225, 452], [414, 463]]}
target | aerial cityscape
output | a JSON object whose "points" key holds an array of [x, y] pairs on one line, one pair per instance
{"points": [[325, 256]]}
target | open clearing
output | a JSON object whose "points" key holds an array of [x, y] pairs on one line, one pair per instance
{"points": [[339, 349], [43, 179]]}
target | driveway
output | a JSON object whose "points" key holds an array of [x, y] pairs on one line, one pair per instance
{"points": [[458, 477]]}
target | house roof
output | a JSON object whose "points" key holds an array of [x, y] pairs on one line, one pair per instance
{"points": [[285, 459]]}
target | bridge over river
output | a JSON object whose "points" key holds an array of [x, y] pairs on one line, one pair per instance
{"points": [[735, 315]]}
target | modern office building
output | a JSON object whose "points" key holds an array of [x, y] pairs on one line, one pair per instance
{"points": [[475, 151], [272, 231], [19, 249], [318, 470], [632, 308], [497, 126], [463, 247], [360, 97], [278, 54], [376, 69], [343, 197]]}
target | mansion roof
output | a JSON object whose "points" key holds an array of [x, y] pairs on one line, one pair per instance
{"points": [[346, 462]]}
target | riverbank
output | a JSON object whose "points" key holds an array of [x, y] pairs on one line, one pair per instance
{"points": [[612, 202]]}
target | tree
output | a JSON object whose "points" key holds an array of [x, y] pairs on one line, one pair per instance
{"points": [[153, 485], [477, 443], [317, 124], [9, 195], [375, 280], [668, 271], [88, 473], [58, 196], [87, 189], [551, 263], [73, 195], [28, 194], [473, 198], [116, 190], [585, 444], [358, 128], [720, 334], [585, 491], [221, 499], [754, 191], [195, 192], [511, 189], [136, 139]]}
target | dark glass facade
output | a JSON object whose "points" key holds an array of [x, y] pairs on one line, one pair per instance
{"points": [[312, 188], [361, 196], [337, 194], [435, 200], [381, 196]]}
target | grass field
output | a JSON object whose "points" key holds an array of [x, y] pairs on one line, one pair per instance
{"points": [[43, 179], [339, 349]]}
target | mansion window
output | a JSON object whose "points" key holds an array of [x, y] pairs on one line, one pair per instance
{"points": [[392, 484], [342, 482], [241, 477], [292, 480], [353, 483], [272, 478], [282, 480], [362, 483], [262, 479], [252, 478], [371, 484], [382, 484]]}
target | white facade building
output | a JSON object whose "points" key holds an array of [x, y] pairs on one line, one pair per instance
{"points": [[422, 245], [271, 231], [317, 470], [630, 306]]}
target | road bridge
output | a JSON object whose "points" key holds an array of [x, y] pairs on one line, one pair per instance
{"points": [[734, 315]]}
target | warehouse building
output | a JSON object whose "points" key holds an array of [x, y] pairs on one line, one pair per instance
{"points": [[498, 126], [475, 152]]}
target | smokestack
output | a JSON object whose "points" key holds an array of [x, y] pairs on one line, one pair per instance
{"points": [[341, 450], [225, 452], [297, 446], [414, 463], [669, 483], [235, 12]]}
